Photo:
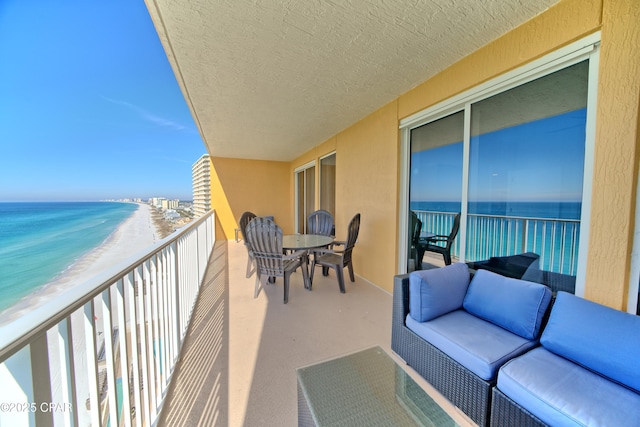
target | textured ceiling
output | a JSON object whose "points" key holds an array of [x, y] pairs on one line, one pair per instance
{"points": [[272, 79]]}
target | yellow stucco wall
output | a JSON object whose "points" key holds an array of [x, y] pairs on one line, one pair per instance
{"points": [[567, 21], [366, 176], [367, 152], [616, 155], [239, 185]]}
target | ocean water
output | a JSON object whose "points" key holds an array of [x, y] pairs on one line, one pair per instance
{"points": [[548, 210], [39, 241]]}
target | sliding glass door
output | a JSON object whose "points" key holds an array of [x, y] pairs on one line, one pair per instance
{"points": [[526, 170], [435, 186], [511, 157], [328, 183], [305, 195]]}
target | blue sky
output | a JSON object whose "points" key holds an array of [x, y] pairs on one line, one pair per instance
{"points": [[89, 105], [541, 160]]}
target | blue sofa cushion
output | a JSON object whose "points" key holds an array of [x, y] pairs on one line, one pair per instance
{"points": [[597, 337], [435, 292], [516, 305], [478, 345], [561, 393]]}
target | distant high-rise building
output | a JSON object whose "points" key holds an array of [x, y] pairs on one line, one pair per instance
{"points": [[169, 204], [201, 173]]}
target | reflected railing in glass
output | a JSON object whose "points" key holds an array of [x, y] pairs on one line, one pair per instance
{"points": [[556, 241]]}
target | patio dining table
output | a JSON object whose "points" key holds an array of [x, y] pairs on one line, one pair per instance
{"points": [[296, 242]]}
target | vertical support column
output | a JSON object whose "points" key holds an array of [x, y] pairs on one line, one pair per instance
{"points": [[131, 283], [151, 385], [41, 379], [525, 235], [92, 369], [67, 372], [122, 354], [176, 301], [145, 386], [110, 366]]}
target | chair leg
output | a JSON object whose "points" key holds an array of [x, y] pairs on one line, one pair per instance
{"points": [[250, 269], [313, 267], [447, 258], [258, 286], [420, 256], [340, 275], [351, 275], [286, 287], [305, 277]]}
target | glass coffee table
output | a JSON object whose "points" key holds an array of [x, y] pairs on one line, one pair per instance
{"points": [[366, 388]]}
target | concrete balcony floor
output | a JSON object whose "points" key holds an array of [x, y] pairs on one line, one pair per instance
{"points": [[239, 359]]}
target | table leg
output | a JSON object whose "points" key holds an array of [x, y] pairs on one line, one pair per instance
{"points": [[305, 265]]}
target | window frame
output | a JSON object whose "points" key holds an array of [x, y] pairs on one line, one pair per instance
{"points": [[586, 48], [302, 169], [320, 180]]}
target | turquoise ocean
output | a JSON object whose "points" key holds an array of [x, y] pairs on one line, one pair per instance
{"points": [[40, 240], [548, 210]]}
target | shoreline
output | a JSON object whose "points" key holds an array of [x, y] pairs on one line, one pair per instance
{"points": [[133, 235], [137, 233]]}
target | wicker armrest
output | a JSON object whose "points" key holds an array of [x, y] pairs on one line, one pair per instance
{"points": [[463, 388], [401, 292]]}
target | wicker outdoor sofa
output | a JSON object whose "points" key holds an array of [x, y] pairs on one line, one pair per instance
{"points": [[464, 388], [576, 366]]}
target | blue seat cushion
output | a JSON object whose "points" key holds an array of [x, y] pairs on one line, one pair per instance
{"points": [[435, 292], [516, 305], [561, 393], [597, 337], [478, 345]]}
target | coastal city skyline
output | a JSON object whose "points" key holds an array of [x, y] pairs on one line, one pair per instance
{"points": [[90, 111]]}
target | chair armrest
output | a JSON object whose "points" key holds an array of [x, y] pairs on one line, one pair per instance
{"points": [[294, 255], [322, 251], [434, 239]]}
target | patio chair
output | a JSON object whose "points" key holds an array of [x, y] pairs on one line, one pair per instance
{"points": [[244, 221], [416, 251], [265, 238], [339, 259], [320, 222], [433, 244]]}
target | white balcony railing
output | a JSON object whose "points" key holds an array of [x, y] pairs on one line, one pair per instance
{"points": [[555, 240], [103, 353]]}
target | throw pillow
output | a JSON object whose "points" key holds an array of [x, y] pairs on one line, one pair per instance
{"points": [[435, 292]]}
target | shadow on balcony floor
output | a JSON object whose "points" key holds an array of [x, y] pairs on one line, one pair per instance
{"points": [[238, 364]]}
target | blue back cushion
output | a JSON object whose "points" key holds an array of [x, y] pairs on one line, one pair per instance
{"points": [[439, 291], [596, 337], [516, 305]]}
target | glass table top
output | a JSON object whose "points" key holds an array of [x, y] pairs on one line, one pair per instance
{"points": [[305, 241], [367, 388]]}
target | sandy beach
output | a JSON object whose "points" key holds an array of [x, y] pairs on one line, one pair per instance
{"points": [[136, 234], [132, 236]]}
